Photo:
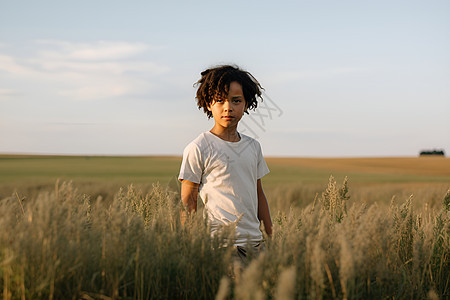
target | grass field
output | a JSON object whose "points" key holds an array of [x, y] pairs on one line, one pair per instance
{"points": [[103, 176], [90, 239], [290, 170]]}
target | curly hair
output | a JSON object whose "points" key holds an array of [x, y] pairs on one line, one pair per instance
{"points": [[215, 83]]}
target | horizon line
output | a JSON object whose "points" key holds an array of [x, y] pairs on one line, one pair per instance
{"points": [[25, 154]]}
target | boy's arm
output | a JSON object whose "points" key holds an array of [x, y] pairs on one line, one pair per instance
{"points": [[189, 192], [263, 209]]}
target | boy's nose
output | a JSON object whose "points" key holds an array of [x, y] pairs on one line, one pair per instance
{"points": [[227, 106]]}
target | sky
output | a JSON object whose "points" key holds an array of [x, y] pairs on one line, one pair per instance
{"points": [[341, 78]]}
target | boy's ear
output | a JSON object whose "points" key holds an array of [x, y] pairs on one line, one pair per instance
{"points": [[208, 106]]}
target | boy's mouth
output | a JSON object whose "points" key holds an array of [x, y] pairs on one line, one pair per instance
{"points": [[227, 117]]}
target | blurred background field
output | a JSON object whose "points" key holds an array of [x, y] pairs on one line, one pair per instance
{"points": [[291, 180]]}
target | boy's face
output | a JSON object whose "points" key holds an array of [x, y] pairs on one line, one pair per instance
{"points": [[227, 112]]}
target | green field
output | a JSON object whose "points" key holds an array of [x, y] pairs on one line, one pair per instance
{"points": [[93, 175], [151, 168], [371, 179]]}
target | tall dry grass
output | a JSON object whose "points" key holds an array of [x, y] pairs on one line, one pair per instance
{"points": [[64, 245]]}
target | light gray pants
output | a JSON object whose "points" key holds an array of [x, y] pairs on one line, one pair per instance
{"points": [[241, 256]]}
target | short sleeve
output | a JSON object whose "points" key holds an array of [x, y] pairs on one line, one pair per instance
{"points": [[262, 168], [191, 166]]}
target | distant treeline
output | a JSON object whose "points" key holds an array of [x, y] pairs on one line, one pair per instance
{"points": [[432, 152]]}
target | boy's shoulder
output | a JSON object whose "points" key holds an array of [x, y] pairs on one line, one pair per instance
{"points": [[198, 145], [248, 138], [200, 141]]}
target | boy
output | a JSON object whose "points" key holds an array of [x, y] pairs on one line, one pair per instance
{"points": [[224, 166]]}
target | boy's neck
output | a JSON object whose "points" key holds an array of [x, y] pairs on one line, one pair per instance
{"points": [[226, 134]]}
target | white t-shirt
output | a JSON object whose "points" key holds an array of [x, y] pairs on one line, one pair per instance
{"points": [[227, 173]]}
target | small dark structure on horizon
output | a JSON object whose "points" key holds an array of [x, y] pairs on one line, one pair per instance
{"points": [[432, 152]]}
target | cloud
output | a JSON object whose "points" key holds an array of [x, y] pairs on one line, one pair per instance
{"points": [[101, 50], [7, 92], [85, 71], [10, 65]]}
